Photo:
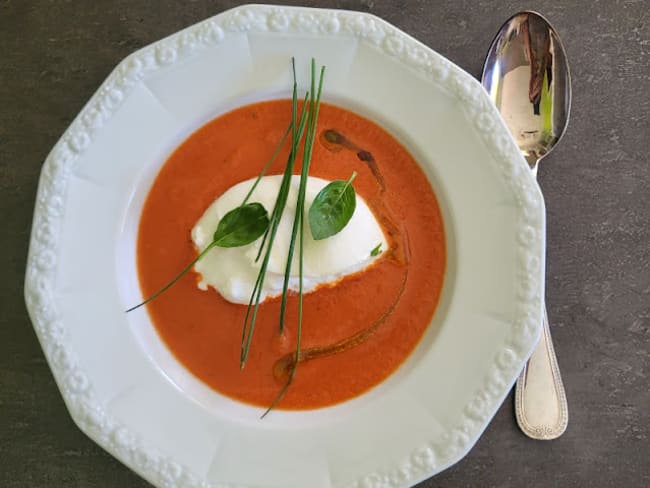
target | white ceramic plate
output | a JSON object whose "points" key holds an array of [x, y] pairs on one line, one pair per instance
{"points": [[127, 392]]}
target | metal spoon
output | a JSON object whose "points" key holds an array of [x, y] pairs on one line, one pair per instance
{"points": [[527, 76]]}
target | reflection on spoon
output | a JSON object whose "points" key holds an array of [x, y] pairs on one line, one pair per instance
{"points": [[537, 45]]}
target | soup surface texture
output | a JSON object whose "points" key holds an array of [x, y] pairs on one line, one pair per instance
{"points": [[204, 331]]}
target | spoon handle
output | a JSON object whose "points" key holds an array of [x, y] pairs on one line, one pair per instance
{"points": [[540, 401]]}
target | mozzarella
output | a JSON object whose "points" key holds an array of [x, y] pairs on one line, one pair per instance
{"points": [[233, 271]]}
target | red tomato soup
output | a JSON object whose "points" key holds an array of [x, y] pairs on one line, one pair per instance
{"points": [[376, 316]]}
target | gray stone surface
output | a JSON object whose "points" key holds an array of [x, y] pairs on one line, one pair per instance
{"points": [[54, 54]]}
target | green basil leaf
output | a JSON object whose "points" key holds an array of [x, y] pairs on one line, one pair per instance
{"points": [[332, 209], [376, 251], [241, 226]]}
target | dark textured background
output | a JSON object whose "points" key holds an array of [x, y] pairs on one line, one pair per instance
{"points": [[54, 54]]}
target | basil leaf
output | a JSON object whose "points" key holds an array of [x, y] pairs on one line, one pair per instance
{"points": [[241, 226], [332, 209], [376, 251]]}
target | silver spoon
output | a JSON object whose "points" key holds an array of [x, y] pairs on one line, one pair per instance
{"points": [[527, 76]]}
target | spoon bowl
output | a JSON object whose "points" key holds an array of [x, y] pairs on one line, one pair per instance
{"points": [[527, 76]]}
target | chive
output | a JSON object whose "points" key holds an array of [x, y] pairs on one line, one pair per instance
{"points": [[268, 164], [176, 278], [299, 224], [280, 203], [291, 128], [309, 139], [285, 181]]}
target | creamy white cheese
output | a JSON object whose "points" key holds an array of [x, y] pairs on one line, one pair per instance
{"points": [[233, 271]]}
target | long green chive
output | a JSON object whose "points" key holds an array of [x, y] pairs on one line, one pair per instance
{"points": [[303, 182], [299, 224], [176, 278], [269, 163], [286, 181], [253, 305]]}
